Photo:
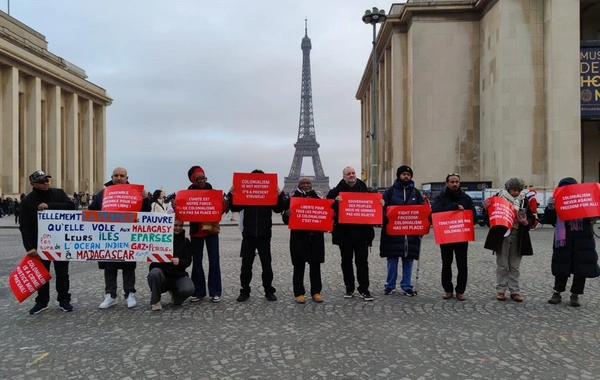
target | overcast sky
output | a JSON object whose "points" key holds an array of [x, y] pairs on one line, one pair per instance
{"points": [[213, 83]]}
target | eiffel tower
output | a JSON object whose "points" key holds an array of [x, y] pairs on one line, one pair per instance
{"points": [[307, 145]]}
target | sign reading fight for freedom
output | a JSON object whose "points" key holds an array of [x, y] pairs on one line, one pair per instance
{"points": [[453, 226], [501, 212], [255, 189], [28, 277], [578, 201], [199, 205], [311, 214], [124, 197], [105, 235], [360, 208], [408, 220]]}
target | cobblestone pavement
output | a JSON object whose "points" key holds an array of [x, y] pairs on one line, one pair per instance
{"points": [[394, 337]]}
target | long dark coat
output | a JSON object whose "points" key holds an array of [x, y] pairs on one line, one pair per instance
{"points": [[495, 236], [305, 246], [579, 255]]}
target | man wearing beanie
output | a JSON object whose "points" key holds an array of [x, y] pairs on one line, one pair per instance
{"points": [[510, 246], [43, 197], [401, 193], [451, 199], [198, 178]]}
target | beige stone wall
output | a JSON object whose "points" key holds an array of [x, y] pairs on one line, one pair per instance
{"points": [[444, 97]]}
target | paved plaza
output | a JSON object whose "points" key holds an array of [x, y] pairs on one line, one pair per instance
{"points": [[394, 337]]}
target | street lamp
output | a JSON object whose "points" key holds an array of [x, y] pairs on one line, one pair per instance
{"points": [[374, 17]]}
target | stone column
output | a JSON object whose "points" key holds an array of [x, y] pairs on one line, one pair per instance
{"points": [[87, 130], [562, 84], [99, 149], [54, 137], [33, 126], [71, 177], [9, 170]]}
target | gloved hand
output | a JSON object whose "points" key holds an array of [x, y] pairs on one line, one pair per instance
{"points": [[486, 203]]}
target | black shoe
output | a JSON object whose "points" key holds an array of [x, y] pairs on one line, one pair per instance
{"points": [[349, 293], [366, 296], [575, 300], [65, 306], [555, 299], [409, 292], [38, 308], [271, 297], [388, 291], [243, 297]]}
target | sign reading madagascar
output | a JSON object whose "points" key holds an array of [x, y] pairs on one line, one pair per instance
{"points": [[577, 201], [453, 226], [105, 235], [311, 214], [360, 208], [199, 205], [255, 189], [408, 220], [126, 197], [28, 277], [501, 212]]}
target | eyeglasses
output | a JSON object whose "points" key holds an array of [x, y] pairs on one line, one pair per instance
{"points": [[201, 178], [453, 175], [42, 181]]}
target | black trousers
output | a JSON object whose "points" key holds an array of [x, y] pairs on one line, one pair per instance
{"points": [[110, 281], [448, 252], [560, 284], [315, 279], [360, 253], [251, 245], [182, 287], [61, 269]]}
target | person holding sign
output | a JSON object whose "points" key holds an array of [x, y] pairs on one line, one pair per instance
{"points": [[454, 198], [509, 246], [573, 252], [172, 276], [306, 246], [256, 237], [401, 193], [43, 197], [354, 240], [119, 177], [200, 237]]}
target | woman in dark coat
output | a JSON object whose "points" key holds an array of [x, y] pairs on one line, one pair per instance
{"points": [[306, 247], [510, 246], [573, 251]]}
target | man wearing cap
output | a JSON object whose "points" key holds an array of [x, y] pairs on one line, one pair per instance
{"points": [[401, 193], [43, 197], [119, 177], [451, 199]]}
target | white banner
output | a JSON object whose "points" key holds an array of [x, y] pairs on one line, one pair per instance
{"points": [[105, 236]]}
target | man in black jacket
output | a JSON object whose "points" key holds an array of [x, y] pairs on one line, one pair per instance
{"points": [[119, 177], [172, 276], [453, 198], [43, 197], [256, 237], [354, 240]]}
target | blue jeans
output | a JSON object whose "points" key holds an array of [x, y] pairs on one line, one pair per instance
{"points": [[392, 273], [214, 267]]}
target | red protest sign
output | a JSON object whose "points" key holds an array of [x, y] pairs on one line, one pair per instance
{"points": [[408, 220], [255, 189], [126, 197], [199, 205], [453, 226], [311, 214], [360, 208], [577, 201], [501, 212], [28, 277]]}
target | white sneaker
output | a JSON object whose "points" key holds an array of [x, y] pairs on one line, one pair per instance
{"points": [[108, 302], [131, 301]]}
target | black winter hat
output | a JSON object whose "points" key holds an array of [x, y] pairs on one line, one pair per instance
{"points": [[567, 181], [402, 169]]}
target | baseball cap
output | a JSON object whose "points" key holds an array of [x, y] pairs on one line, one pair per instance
{"points": [[38, 176]]}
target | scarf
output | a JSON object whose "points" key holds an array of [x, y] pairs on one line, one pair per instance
{"points": [[517, 202], [560, 230]]}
